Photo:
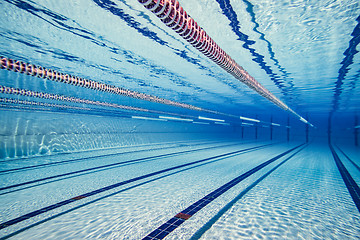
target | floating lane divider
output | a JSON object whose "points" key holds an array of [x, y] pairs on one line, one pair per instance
{"points": [[41, 104], [41, 72], [350, 183], [50, 96], [52, 75], [16, 91], [166, 228], [110, 187], [49, 74], [57, 97], [175, 17], [29, 93], [44, 106]]}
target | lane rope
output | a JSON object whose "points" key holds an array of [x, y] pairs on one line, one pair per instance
{"points": [[175, 17], [58, 97], [49, 74]]}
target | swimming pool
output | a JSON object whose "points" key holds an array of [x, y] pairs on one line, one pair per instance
{"points": [[211, 119]]}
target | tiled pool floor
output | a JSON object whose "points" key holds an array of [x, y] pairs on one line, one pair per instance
{"points": [[127, 193]]}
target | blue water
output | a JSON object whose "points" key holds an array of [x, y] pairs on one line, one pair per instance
{"points": [[81, 163]]}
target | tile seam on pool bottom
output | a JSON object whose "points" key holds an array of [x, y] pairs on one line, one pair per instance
{"points": [[198, 234], [100, 190], [350, 183], [108, 166], [169, 226]]}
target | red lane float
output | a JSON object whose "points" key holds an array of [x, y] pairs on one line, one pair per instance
{"points": [[63, 98], [174, 16], [41, 72], [41, 104], [50, 96]]}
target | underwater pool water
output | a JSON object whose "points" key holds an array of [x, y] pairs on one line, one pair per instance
{"points": [[212, 119]]}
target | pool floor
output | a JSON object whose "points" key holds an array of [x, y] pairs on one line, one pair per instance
{"points": [[241, 190]]}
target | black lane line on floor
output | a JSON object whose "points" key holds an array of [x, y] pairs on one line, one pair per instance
{"points": [[86, 173], [115, 193], [166, 228], [198, 234], [110, 166], [97, 156], [351, 185], [104, 189], [358, 168]]}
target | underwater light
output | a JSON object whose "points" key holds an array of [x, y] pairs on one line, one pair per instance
{"points": [[249, 119], [203, 123], [248, 124], [275, 124], [148, 118], [303, 120], [211, 119], [222, 123], [176, 119]]}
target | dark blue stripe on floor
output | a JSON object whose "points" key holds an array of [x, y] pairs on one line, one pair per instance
{"points": [[214, 219], [166, 228], [351, 185], [109, 195], [358, 168], [100, 190]]}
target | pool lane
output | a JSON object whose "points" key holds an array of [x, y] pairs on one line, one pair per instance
{"points": [[355, 164], [169, 226], [305, 198], [28, 178], [351, 185], [80, 197], [350, 161], [87, 170]]}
